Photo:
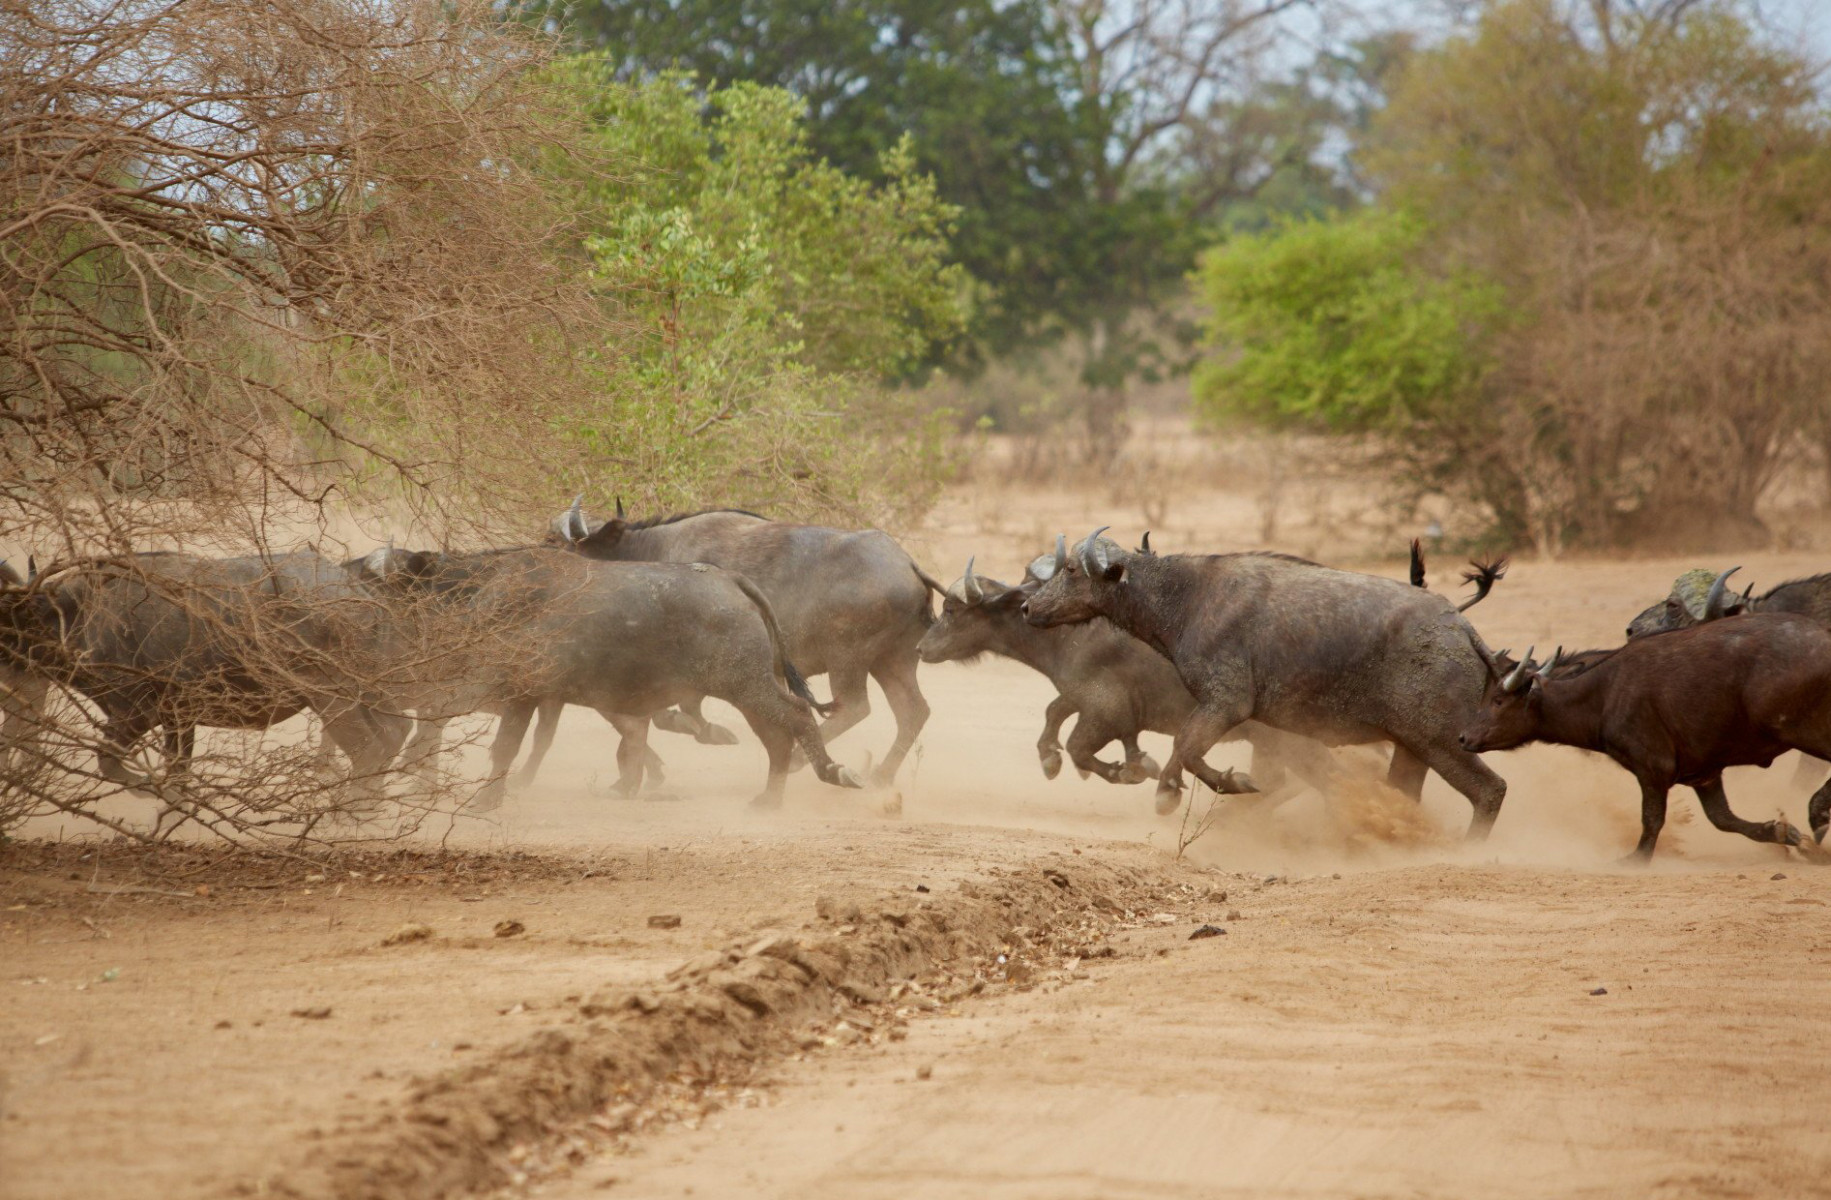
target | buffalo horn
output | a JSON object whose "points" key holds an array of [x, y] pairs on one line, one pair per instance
{"points": [[1544, 672], [574, 523], [1093, 558], [31, 567], [1061, 552], [1144, 543], [969, 587], [619, 508], [1517, 676], [1713, 603]]}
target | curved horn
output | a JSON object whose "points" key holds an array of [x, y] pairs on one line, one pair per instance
{"points": [[1144, 543], [1713, 603], [969, 587], [1517, 676], [1061, 552], [1557, 655], [619, 508], [1093, 558], [575, 527]]}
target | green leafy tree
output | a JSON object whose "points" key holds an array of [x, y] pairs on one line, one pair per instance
{"points": [[1645, 196], [760, 296]]}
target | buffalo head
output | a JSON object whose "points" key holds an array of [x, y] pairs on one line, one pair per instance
{"points": [[1697, 596], [1080, 582], [970, 614], [1509, 712]]}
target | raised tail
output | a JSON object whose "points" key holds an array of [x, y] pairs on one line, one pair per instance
{"points": [[1484, 574], [791, 681]]}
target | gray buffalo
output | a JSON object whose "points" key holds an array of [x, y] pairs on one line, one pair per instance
{"points": [[23, 694], [852, 605], [1115, 685], [626, 639], [1343, 658], [432, 652], [1698, 596], [174, 641]]}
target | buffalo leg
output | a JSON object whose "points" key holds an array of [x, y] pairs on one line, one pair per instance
{"points": [[1818, 812], [897, 677], [549, 711], [1090, 736], [1406, 774], [421, 753], [632, 750], [509, 731], [1139, 766], [779, 744], [119, 736], [851, 704], [1479, 785], [1049, 746], [180, 743], [705, 732], [1199, 733], [1716, 807], [22, 700], [1652, 819]]}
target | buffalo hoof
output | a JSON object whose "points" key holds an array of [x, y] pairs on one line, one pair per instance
{"points": [[1168, 801], [1634, 858], [1818, 833], [672, 720], [715, 735], [486, 801], [521, 781], [1787, 834], [1052, 763], [844, 777], [1132, 772], [766, 801], [1232, 783]]}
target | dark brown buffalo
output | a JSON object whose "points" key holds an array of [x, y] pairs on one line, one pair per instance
{"points": [[1679, 708], [852, 604], [1343, 658]]}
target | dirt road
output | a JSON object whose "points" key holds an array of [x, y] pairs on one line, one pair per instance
{"points": [[1420, 1026], [1425, 1031]]}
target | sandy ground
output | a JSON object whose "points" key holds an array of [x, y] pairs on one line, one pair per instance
{"points": [[1419, 1026]]}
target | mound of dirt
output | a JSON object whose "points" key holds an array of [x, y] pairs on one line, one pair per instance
{"points": [[728, 1009]]}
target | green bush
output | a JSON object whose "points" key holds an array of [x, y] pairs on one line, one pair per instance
{"points": [[761, 301]]}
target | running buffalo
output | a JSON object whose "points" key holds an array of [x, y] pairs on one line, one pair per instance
{"points": [[177, 641], [1118, 686], [1343, 658], [1679, 709], [852, 605], [627, 639]]}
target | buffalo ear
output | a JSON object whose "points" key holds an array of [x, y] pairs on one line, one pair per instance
{"points": [[604, 538], [1115, 572]]}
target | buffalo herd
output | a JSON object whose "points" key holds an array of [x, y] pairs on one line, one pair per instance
{"points": [[643, 619]]}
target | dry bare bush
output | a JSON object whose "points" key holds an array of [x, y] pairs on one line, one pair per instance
{"points": [[264, 266]]}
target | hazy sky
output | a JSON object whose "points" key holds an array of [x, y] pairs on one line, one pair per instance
{"points": [[1806, 23]]}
